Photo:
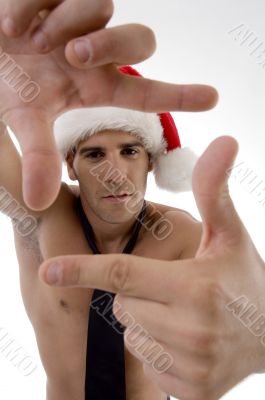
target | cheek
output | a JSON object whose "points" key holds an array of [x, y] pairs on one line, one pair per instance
{"points": [[139, 175], [93, 183], [142, 168], [87, 179]]}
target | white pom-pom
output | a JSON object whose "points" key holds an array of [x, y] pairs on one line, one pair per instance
{"points": [[173, 171]]}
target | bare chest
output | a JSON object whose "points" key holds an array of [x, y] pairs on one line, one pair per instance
{"points": [[60, 316]]}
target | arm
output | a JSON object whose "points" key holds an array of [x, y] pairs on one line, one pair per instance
{"points": [[11, 197]]}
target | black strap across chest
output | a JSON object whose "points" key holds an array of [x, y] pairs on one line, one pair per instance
{"points": [[105, 362]]}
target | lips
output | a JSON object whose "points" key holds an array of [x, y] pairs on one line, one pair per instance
{"points": [[117, 198], [118, 195]]}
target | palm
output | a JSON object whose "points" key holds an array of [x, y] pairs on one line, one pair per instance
{"points": [[61, 85]]}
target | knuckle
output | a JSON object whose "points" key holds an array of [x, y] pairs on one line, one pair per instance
{"points": [[207, 342], [148, 92], [9, 11], [119, 275], [73, 274], [76, 275], [213, 290], [40, 151], [209, 295], [108, 44], [20, 13]]}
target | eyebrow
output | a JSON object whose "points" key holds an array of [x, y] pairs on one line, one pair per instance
{"points": [[120, 146]]}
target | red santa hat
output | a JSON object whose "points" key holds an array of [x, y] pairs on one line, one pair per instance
{"points": [[173, 165]]}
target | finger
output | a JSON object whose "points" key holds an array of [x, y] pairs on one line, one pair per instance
{"points": [[131, 310], [16, 16], [122, 90], [127, 44], [41, 161], [116, 273], [69, 20], [210, 187], [154, 96]]}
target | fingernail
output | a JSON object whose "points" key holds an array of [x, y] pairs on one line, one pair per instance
{"points": [[8, 26], [40, 41], [54, 273], [82, 50]]}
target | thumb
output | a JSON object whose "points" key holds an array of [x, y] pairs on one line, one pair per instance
{"points": [[210, 187], [41, 164]]}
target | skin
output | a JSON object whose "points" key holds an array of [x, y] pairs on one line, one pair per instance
{"points": [[191, 299], [216, 227], [59, 315], [75, 83]]}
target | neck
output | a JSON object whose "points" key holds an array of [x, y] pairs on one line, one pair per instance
{"points": [[110, 238]]}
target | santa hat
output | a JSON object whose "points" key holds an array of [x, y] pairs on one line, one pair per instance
{"points": [[173, 165]]}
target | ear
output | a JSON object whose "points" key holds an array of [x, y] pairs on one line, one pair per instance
{"points": [[150, 165], [70, 165]]}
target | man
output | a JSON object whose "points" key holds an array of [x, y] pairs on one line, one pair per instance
{"points": [[210, 183], [130, 144], [209, 309]]}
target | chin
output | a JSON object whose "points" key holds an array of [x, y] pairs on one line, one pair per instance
{"points": [[116, 216]]}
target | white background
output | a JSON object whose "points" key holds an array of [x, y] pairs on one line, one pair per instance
{"points": [[193, 46]]}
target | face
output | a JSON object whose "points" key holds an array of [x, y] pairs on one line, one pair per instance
{"points": [[111, 168]]}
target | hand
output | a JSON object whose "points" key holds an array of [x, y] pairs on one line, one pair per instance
{"points": [[196, 319], [77, 22], [61, 20], [57, 86]]}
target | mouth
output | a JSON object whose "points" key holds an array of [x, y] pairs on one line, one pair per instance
{"points": [[117, 198]]}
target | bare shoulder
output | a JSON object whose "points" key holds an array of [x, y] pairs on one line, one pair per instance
{"points": [[68, 191], [59, 209], [64, 201], [175, 215], [183, 225]]}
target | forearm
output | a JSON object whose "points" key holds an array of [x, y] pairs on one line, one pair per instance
{"points": [[10, 172], [11, 196]]}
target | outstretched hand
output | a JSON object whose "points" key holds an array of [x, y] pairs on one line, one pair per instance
{"points": [[36, 87]]}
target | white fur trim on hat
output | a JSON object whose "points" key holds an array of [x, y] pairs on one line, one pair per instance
{"points": [[173, 171], [76, 125]]}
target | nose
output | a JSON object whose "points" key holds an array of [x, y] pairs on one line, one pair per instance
{"points": [[117, 172]]}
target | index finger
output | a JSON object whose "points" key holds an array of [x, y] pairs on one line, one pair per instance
{"points": [[155, 96], [117, 273], [41, 164]]}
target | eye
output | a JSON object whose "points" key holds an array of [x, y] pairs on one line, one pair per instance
{"points": [[130, 151], [94, 155]]}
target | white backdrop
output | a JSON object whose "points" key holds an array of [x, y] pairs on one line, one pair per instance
{"points": [[198, 42]]}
